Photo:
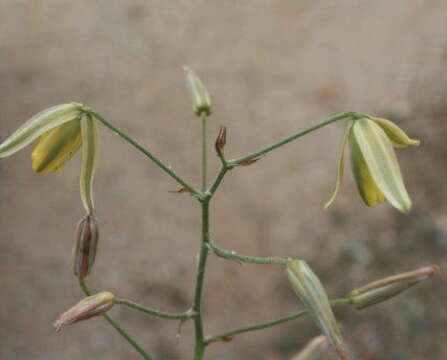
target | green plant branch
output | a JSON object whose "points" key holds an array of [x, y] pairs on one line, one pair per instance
{"points": [[155, 313], [216, 183], [230, 334], [118, 328], [142, 149], [290, 138], [199, 347], [232, 255], [204, 118]]}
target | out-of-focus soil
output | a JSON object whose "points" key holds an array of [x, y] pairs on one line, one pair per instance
{"points": [[273, 67]]}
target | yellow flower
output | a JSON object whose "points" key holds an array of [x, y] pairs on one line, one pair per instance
{"points": [[60, 132], [374, 163]]}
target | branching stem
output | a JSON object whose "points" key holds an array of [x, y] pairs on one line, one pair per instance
{"points": [[155, 313], [230, 334], [290, 138], [146, 152], [232, 255]]}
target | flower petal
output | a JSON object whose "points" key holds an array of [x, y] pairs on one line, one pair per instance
{"points": [[396, 135], [368, 189], [382, 163], [340, 165], [37, 126], [90, 147], [56, 147]]}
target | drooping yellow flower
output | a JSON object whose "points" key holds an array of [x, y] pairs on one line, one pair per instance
{"points": [[60, 132], [374, 163]]}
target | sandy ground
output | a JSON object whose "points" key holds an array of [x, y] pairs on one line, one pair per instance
{"points": [[273, 67]]}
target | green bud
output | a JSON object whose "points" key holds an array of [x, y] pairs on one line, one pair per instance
{"points": [[389, 287], [201, 101], [311, 292]]}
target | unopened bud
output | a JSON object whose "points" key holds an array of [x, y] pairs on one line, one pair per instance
{"points": [[201, 101], [88, 307], [84, 252], [389, 287], [250, 161], [221, 140], [311, 292]]}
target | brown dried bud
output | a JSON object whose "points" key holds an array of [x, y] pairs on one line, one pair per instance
{"points": [[84, 252], [389, 287], [250, 161], [182, 190], [88, 307], [221, 140]]}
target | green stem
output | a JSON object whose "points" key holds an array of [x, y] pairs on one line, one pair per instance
{"points": [[204, 150], [290, 138], [232, 255], [296, 315], [199, 347], [141, 148], [198, 294], [218, 180], [182, 316], [115, 325]]}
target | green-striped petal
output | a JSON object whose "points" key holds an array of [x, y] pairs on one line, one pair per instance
{"points": [[396, 135], [368, 189], [340, 165], [39, 125], [311, 292], [90, 149], [56, 147], [381, 161]]}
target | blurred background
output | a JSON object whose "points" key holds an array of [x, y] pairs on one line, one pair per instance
{"points": [[273, 67]]}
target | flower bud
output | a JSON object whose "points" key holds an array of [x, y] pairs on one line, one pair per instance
{"points": [[84, 252], [221, 140], [311, 292], [201, 101], [88, 307], [389, 287]]}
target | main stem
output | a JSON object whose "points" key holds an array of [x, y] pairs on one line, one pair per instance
{"points": [[199, 348]]}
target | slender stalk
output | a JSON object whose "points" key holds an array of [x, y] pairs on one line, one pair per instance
{"points": [[296, 315], [290, 138], [118, 328], [218, 180], [204, 150], [146, 152], [232, 255], [155, 313], [199, 347]]}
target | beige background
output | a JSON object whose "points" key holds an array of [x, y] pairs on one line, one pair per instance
{"points": [[273, 67]]}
